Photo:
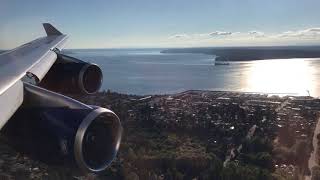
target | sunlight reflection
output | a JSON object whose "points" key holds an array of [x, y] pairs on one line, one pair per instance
{"points": [[281, 76]]}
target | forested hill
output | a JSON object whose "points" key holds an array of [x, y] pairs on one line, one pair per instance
{"points": [[253, 53]]}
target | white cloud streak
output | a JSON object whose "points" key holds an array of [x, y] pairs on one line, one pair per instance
{"points": [[257, 34], [307, 36], [179, 36], [306, 33], [299, 34], [220, 33]]}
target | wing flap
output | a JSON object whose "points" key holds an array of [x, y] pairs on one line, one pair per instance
{"points": [[42, 67]]}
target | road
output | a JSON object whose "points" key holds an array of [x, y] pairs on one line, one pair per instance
{"points": [[232, 154], [312, 160]]}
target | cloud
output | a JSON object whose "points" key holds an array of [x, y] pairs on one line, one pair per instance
{"points": [[199, 36], [256, 33], [287, 34], [179, 36], [253, 37], [314, 30], [306, 33], [220, 33], [212, 34]]}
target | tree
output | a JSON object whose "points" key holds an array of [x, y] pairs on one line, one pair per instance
{"points": [[257, 144], [229, 172], [315, 173], [286, 136], [132, 176], [244, 172], [301, 151], [214, 170], [131, 155], [264, 160]]}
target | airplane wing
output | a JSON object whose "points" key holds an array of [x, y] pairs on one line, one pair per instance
{"points": [[35, 57], [38, 119]]}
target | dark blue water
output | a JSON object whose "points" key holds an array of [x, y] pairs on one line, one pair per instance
{"points": [[147, 71]]}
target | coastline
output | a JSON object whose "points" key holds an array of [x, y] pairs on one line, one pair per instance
{"points": [[253, 53]]}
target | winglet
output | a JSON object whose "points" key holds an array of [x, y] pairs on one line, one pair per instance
{"points": [[50, 30]]}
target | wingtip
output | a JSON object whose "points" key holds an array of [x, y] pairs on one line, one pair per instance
{"points": [[51, 30]]}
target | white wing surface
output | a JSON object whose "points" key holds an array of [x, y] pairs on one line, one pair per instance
{"points": [[35, 57]]}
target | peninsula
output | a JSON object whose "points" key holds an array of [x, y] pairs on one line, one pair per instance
{"points": [[253, 53]]}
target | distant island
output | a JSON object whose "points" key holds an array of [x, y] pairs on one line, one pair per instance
{"points": [[253, 53]]}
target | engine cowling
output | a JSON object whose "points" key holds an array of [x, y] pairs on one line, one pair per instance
{"points": [[71, 75], [59, 130]]}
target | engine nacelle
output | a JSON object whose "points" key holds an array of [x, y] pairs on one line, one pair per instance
{"points": [[59, 130], [71, 75]]}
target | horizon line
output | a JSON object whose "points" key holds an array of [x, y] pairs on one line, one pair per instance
{"points": [[185, 47]]}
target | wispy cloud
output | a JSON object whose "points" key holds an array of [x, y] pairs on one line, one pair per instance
{"points": [[257, 34], [220, 33], [214, 34], [179, 36], [253, 37], [306, 33]]}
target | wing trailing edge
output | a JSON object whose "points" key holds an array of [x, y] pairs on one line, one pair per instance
{"points": [[51, 30]]}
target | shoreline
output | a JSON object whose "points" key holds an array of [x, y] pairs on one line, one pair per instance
{"points": [[253, 53], [213, 91]]}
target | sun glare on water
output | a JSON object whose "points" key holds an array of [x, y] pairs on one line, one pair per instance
{"points": [[287, 76]]}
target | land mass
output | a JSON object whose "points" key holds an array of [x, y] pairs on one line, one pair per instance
{"points": [[253, 53], [197, 135]]}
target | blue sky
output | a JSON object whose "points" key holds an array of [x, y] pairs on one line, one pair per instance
{"points": [[165, 23]]}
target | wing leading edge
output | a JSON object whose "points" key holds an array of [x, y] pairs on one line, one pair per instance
{"points": [[35, 57], [16, 63]]}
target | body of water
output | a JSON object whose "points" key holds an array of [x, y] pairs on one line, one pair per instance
{"points": [[147, 71]]}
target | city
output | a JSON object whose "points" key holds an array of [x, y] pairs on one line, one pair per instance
{"points": [[199, 135], [271, 134]]}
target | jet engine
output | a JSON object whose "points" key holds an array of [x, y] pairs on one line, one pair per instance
{"points": [[59, 130], [71, 75]]}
